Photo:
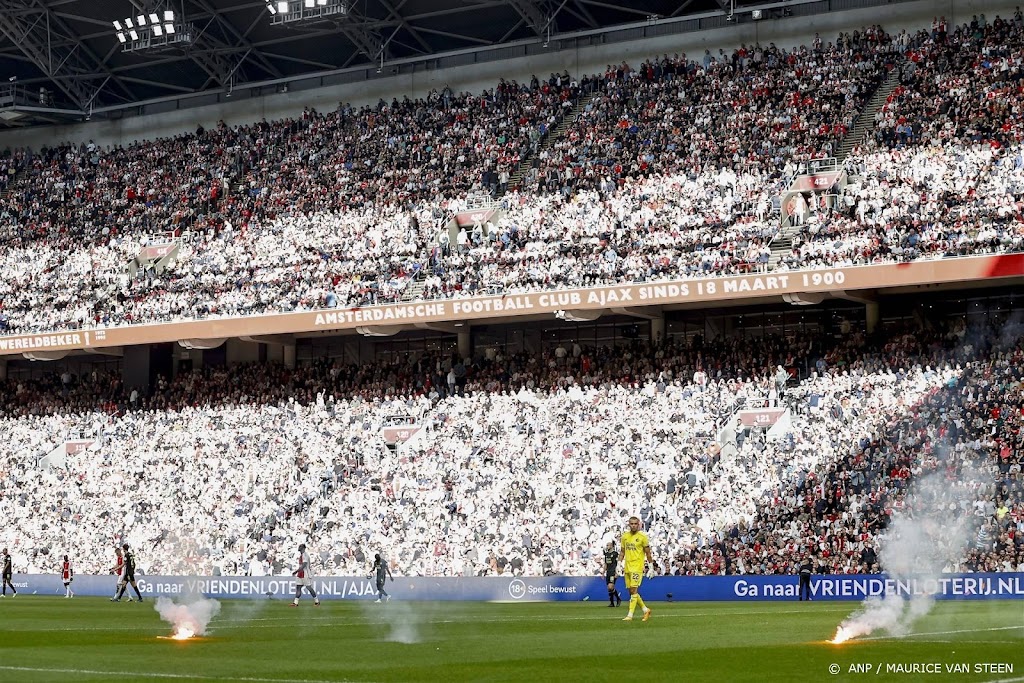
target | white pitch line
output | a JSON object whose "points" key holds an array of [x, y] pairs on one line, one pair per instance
{"points": [[359, 620], [1007, 680], [944, 633], [141, 674], [986, 642]]}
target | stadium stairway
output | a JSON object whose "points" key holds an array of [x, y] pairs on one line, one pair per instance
{"points": [[7, 192], [555, 133], [865, 121], [414, 290]]}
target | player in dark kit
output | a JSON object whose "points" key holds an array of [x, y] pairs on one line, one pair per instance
{"points": [[611, 567], [8, 574], [129, 574], [382, 572]]}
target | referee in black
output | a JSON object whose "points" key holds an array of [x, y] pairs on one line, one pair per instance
{"points": [[611, 565], [805, 571], [8, 575]]}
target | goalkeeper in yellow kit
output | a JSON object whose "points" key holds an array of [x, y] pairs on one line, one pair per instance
{"points": [[634, 550]]}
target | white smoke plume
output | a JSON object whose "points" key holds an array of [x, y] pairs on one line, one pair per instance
{"points": [[244, 610], [923, 537], [402, 622], [189, 618]]}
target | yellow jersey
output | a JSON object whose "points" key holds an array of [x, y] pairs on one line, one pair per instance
{"points": [[634, 551]]}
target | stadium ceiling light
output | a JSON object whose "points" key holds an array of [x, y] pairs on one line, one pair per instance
{"points": [[290, 11], [147, 31]]}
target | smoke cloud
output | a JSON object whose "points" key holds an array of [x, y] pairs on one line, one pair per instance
{"points": [[399, 622], [929, 532], [192, 616]]}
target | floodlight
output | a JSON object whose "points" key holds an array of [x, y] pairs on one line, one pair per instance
{"points": [[292, 11], [271, 8], [154, 29]]}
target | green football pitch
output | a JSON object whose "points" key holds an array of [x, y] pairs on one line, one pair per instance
{"points": [[91, 639]]}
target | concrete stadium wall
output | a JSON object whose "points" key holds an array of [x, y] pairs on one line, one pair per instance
{"points": [[478, 77]]}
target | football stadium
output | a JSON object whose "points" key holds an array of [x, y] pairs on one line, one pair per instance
{"points": [[504, 340]]}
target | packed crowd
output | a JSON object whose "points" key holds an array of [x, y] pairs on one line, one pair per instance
{"points": [[10, 164], [662, 227], [255, 202], [918, 202], [350, 208], [383, 155], [961, 434], [522, 464], [943, 174], [749, 111]]}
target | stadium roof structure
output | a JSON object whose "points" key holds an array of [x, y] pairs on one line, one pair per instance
{"points": [[70, 47]]}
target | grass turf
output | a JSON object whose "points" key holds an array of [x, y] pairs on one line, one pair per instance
{"points": [[90, 639]]}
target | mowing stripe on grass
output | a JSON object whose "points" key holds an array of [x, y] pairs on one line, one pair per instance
{"points": [[141, 674]]}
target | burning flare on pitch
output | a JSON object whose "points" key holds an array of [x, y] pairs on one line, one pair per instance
{"points": [[189, 618], [183, 632], [842, 635]]}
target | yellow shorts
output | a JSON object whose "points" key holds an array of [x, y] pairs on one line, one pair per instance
{"points": [[633, 579]]}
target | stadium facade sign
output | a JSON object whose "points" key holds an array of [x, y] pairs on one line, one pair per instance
{"points": [[815, 182], [760, 417], [992, 586], [155, 251], [791, 286]]}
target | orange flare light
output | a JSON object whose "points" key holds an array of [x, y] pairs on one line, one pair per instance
{"points": [[183, 633], [842, 635]]}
